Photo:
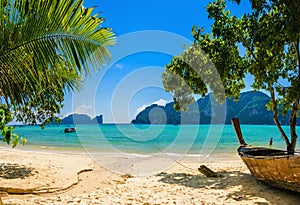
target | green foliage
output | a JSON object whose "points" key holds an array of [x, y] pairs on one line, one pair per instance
{"points": [[48, 47], [263, 43], [7, 131], [5, 115], [191, 73]]}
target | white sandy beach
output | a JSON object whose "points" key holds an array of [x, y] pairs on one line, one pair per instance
{"points": [[75, 178]]}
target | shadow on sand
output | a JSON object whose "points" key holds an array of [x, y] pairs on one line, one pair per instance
{"points": [[248, 187], [15, 171]]}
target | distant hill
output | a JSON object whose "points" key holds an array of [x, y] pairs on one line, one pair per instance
{"points": [[81, 119], [250, 109]]}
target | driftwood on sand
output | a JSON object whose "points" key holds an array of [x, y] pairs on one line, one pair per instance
{"points": [[208, 172]]}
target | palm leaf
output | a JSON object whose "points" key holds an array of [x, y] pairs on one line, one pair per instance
{"points": [[46, 46], [44, 32]]}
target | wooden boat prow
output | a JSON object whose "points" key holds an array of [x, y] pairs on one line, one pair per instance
{"points": [[274, 167]]}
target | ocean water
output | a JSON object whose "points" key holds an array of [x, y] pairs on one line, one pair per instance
{"points": [[149, 139]]}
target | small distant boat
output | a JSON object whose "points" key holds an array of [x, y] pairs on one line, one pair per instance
{"points": [[273, 167], [70, 129]]}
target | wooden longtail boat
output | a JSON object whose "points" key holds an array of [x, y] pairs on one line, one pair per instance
{"points": [[274, 167], [72, 129]]}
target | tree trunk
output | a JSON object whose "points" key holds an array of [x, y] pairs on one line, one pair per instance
{"points": [[293, 121], [277, 123], [293, 117]]}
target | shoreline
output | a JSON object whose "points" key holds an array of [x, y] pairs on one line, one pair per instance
{"points": [[77, 179], [212, 156]]}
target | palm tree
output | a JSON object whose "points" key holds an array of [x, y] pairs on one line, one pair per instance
{"points": [[47, 48]]}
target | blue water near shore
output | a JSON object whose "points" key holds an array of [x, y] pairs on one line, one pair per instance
{"points": [[149, 139]]}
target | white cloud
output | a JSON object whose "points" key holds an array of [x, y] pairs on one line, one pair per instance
{"points": [[160, 102], [140, 109], [119, 66], [82, 109]]}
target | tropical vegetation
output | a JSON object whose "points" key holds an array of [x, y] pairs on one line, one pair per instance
{"points": [[263, 43], [249, 109], [48, 47]]}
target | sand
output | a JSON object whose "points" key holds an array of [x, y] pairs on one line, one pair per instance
{"points": [[51, 177]]}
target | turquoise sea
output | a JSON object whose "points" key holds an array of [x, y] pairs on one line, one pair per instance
{"points": [[149, 139]]}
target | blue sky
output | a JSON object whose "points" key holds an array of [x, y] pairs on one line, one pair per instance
{"points": [[149, 34]]}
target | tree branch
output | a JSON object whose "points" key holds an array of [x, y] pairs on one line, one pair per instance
{"points": [[296, 46]]}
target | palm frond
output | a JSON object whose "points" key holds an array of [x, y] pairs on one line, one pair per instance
{"points": [[46, 46]]}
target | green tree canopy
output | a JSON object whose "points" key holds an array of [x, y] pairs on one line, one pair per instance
{"points": [[47, 48], [263, 43]]}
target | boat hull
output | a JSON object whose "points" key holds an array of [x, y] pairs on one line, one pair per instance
{"points": [[274, 167], [68, 130]]}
